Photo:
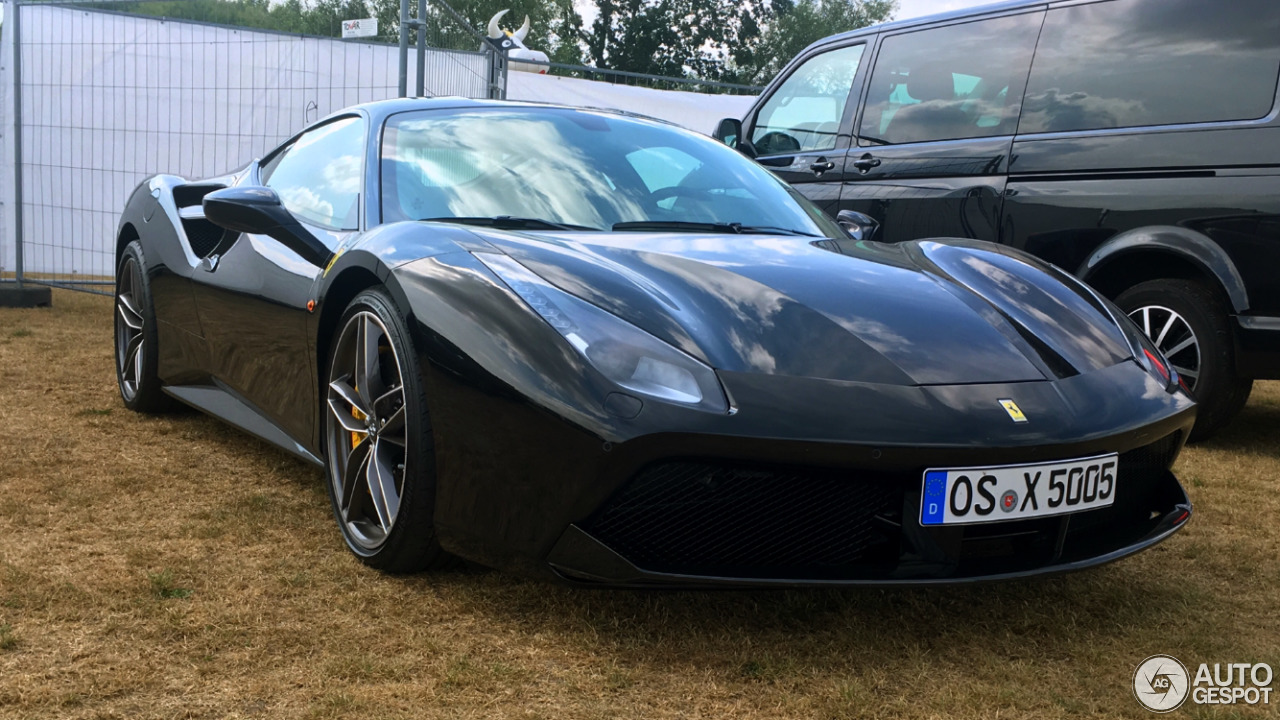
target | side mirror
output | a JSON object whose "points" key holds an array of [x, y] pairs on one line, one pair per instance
{"points": [[258, 210], [859, 226], [729, 131]]}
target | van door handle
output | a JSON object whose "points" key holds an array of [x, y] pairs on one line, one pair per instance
{"points": [[865, 163], [821, 165]]}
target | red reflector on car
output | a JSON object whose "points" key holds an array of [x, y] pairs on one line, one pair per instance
{"points": [[1164, 371]]}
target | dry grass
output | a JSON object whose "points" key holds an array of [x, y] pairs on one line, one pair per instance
{"points": [[171, 567]]}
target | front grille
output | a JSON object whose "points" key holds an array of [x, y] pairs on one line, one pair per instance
{"points": [[716, 519], [1152, 460], [1139, 475], [719, 519], [1030, 543]]}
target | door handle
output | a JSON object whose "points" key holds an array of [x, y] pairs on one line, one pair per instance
{"points": [[865, 163], [821, 165]]}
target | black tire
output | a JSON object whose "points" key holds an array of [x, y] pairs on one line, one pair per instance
{"points": [[1218, 390], [136, 344], [398, 457]]}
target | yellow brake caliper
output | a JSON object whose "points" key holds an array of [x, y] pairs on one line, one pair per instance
{"points": [[355, 412]]}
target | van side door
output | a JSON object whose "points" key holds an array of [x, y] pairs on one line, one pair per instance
{"points": [[1146, 113], [801, 130], [932, 144]]}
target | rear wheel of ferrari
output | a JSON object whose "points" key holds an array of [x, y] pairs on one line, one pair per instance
{"points": [[378, 441], [135, 336], [1189, 324]]}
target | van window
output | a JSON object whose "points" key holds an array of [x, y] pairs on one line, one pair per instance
{"points": [[805, 112], [1127, 63], [952, 82]]}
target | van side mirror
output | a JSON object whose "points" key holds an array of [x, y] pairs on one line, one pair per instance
{"points": [[859, 226], [258, 210], [729, 131]]}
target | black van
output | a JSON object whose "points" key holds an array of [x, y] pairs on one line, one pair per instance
{"points": [[1135, 143]]}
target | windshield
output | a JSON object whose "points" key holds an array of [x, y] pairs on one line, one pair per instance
{"points": [[577, 168]]}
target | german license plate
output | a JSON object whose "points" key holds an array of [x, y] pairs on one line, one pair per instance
{"points": [[968, 495]]}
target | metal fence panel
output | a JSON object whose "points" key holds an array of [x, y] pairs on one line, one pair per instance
{"points": [[103, 99], [108, 99]]}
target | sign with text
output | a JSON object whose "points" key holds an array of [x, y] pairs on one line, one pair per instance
{"points": [[366, 27]]}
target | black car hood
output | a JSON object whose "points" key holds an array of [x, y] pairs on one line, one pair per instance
{"points": [[916, 313]]}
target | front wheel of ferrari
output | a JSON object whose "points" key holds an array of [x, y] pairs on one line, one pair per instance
{"points": [[378, 441]]}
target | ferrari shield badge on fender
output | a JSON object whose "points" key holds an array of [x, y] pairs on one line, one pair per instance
{"points": [[1015, 412]]}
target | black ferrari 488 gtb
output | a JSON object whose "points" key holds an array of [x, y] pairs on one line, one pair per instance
{"points": [[606, 350]]}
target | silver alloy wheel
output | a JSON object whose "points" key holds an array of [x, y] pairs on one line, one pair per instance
{"points": [[129, 339], [366, 430], [1173, 336]]}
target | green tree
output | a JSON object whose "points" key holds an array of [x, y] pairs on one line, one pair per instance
{"points": [[322, 17], [555, 26], [680, 38], [794, 24], [744, 41]]}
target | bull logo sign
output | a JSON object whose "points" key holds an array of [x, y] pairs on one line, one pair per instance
{"points": [[511, 44]]}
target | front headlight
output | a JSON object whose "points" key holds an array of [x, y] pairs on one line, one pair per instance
{"points": [[622, 352]]}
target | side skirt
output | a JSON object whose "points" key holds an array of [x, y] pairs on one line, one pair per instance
{"points": [[224, 405]]}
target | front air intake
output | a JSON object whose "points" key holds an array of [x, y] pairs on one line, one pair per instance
{"points": [[716, 519]]}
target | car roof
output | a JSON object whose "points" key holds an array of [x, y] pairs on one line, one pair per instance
{"points": [[378, 110], [969, 12]]}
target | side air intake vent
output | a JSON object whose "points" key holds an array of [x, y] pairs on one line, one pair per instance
{"points": [[203, 236], [193, 193]]}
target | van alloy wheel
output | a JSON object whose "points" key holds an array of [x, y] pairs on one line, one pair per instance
{"points": [[1173, 337], [1190, 323]]}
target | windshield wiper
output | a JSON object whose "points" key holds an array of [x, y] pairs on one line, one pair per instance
{"points": [[508, 222], [708, 227]]}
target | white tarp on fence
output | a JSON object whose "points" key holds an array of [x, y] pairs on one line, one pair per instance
{"points": [[109, 99]]}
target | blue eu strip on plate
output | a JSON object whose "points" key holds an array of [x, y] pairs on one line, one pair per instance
{"points": [[935, 494]]}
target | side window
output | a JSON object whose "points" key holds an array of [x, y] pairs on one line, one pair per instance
{"points": [[952, 82], [1128, 63], [318, 176], [804, 113]]}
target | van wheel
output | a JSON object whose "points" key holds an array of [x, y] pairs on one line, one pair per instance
{"points": [[1188, 322]]}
